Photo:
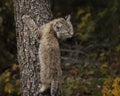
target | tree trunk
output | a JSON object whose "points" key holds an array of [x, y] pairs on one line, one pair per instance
{"points": [[27, 47]]}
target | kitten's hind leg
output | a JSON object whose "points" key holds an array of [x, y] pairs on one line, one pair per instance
{"points": [[55, 88]]}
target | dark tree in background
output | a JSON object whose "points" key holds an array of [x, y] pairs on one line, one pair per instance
{"points": [[27, 46]]}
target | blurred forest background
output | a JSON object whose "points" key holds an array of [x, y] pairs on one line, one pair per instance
{"points": [[90, 60]]}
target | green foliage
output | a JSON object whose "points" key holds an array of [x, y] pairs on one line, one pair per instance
{"points": [[9, 82], [76, 85]]}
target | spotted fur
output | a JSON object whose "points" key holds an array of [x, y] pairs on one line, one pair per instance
{"points": [[49, 50]]}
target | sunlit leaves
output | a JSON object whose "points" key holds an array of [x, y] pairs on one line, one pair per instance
{"points": [[111, 87], [116, 87], [8, 88], [85, 25]]}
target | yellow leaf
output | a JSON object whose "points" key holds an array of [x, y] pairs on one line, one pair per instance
{"points": [[18, 81], [104, 65], [81, 11], [8, 88], [14, 67], [7, 73]]}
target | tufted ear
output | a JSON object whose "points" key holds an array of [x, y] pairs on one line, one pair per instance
{"points": [[70, 24], [68, 17], [57, 26]]}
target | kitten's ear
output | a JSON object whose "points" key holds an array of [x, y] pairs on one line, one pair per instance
{"points": [[68, 17], [57, 26]]}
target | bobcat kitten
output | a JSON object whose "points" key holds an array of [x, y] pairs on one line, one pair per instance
{"points": [[49, 50]]}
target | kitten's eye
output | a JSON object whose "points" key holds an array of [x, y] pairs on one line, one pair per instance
{"points": [[58, 26]]}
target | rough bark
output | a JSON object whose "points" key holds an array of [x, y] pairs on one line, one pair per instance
{"points": [[27, 46]]}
